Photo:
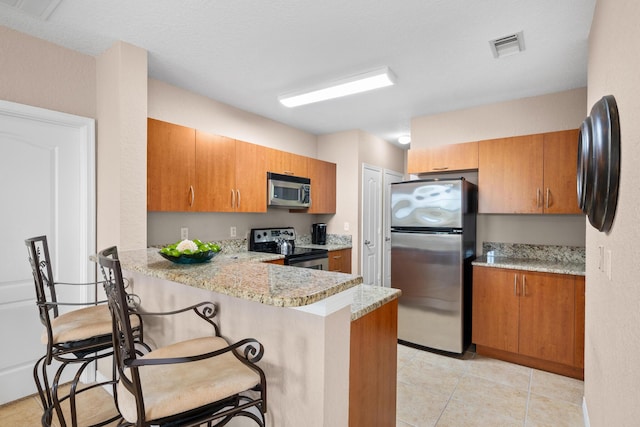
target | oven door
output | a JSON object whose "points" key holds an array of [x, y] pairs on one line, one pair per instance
{"points": [[313, 261]]}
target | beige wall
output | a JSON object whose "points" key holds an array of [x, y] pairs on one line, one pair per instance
{"points": [[612, 371], [350, 150], [42, 74], [122, 147], [342, 148], [546, 113], [175, 105]]}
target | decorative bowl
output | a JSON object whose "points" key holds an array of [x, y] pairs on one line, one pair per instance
{"points": [[190, 258]]}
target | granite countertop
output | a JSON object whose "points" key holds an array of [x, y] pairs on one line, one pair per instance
{"points": [[367, 298], [529, 264], [245, 275]]}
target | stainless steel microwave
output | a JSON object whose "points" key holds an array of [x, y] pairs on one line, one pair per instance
{"points": [[288, 191]]}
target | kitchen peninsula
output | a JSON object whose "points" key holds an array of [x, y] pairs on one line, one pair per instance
{"points": [[302, 316]]}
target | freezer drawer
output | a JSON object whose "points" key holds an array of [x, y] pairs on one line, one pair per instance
{"points": [[429, 270]]}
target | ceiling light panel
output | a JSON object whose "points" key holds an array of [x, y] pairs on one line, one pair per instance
{"points": [[348, 86]]}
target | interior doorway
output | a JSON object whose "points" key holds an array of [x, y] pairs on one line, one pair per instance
{"points": [[47, 169]]}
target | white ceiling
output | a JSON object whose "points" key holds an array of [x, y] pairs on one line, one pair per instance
{"points": [[247, 52]]}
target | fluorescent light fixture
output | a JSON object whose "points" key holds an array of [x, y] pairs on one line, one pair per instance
{"points": [[355, 84], [404, 139]]}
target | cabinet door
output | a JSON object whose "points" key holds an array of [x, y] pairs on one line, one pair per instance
{"points": [[495, 308], [287, 163], [451, 157], [251, 177], [215, 173], [547, 315], [323, 186], [510, 175], [340, 261], [170, 166], [560, 159]]}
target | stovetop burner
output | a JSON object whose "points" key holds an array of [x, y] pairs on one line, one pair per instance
{"points": [[266, 240]]}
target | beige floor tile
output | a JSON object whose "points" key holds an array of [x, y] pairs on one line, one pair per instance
{"points": [[546, 412], [461, 414], [501, 372], [495, 397], [557, 387], [402, 424], [431, 377], [93, 406], [456, 363], [417, 406], [406, 354], [25, 412]]}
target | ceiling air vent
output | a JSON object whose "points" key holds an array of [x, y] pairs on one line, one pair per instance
{"points": [[508, 45], [39, 8]]}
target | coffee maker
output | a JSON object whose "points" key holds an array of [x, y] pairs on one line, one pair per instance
{"points": [[319, 234]]}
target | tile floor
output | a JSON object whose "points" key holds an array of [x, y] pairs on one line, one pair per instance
{"points": [[436, 390], [433, 390]]}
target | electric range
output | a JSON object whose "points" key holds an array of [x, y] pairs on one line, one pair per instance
{"points": [[270, 240]]}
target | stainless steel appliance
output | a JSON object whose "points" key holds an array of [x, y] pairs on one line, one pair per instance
{"points": [[288, 191], [433, 227], [275, 240], [319, 234]]}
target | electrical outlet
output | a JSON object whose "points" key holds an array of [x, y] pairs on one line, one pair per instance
{"points": [[184, 233], [607, 263], [346, 226], [233, 232]]}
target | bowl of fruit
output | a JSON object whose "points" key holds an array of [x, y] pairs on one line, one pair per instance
{"points": [[190, 252]]}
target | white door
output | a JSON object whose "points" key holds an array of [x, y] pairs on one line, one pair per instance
{"points": [[371, 224], [389, 178], [48, 187]]}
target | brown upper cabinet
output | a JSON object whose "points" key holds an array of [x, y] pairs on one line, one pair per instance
{"points": [[529, 174], [189, 170], [323, 186], [443, 158], [193, 171], [287, 163], [230, 175], [171, 165]]}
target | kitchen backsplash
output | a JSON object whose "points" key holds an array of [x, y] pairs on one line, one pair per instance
{"points": [[242, 245], [569, 254], [332, 239]]}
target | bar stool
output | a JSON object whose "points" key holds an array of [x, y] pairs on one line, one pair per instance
{"points": [[201, 381], [75, 338]]}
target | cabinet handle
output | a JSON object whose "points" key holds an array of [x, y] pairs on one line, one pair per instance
{"points": [[288, 172], [442, 168], [238, 205], [524, 285], [548, 196], [337, 256], [193, 194], [538, 198], [515, 284], [233, 199]]}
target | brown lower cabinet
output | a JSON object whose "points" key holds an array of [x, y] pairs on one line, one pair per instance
{"points": [[373, 368], [340, 261], [534, 319]]}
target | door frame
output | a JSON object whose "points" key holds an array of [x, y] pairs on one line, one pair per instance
{"points": [[386, 221]]}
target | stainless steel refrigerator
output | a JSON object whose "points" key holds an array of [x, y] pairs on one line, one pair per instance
{"points": [[433, 234]]}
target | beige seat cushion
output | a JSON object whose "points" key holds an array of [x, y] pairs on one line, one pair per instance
{"points": [[172, 389], [76, 325]]}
